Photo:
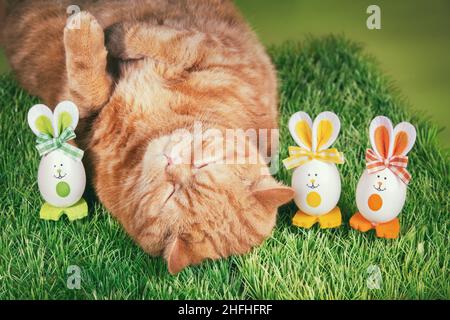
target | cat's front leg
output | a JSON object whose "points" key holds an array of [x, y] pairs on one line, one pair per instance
{"points": [[89, 84]]}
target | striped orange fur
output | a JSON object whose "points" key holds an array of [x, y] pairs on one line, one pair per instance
{"points": [[141, 71]]}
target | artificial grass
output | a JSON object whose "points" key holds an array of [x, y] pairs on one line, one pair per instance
{"points": [[320, 74]]}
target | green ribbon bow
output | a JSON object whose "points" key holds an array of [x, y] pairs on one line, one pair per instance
{"points": [[46, 144]]}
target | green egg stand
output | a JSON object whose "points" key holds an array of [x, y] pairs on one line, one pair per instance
{"points": [[75, 212]]}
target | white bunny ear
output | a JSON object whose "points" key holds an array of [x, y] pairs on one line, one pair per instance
{"points": [[300, 128], [40, 120], [381, 132], [326, 129], [66, 115], [404, 139]]}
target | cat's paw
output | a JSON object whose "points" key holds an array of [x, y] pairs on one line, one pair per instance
{"points": [[86, 60], [83, 35], [119, 43]]}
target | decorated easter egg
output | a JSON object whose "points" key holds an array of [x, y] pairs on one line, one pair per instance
{"points": [[61, 179], [380, 196], [317, 185]]}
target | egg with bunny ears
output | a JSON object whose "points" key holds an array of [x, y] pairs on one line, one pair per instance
{"points": [[380, 195], [61, 174], [61, 180], [318, 187], [315, 179], [381, 190]]}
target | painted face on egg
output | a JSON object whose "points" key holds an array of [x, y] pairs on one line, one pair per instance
{"points": [[61, 179], [380, 196], [318, 187]]}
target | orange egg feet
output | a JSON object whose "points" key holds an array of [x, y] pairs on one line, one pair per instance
{"points": [[358, 222], [388, 230]]}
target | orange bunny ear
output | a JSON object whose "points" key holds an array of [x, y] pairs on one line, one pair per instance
{"points": [[381, 132], [404, 139]]}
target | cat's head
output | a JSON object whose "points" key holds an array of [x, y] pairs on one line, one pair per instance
{"points": [[205, 204]]}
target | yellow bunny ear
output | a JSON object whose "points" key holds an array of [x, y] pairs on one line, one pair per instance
{"points": [[326, 129], [300, 128]]}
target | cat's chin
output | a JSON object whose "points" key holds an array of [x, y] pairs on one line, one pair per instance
{"points": [[228, 230]]}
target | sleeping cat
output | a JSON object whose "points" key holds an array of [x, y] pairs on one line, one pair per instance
{"points": [[143, 73]]}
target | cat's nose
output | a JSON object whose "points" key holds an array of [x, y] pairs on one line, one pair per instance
{"points": [[177, 155], [380, 184], [312, 181], [170, 161], [178, 173], [174, 160]]}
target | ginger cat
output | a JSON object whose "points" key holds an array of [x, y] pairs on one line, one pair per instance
{"points": [[141, 72]]}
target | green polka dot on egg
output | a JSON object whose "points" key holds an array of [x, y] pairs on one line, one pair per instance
{"points": [[63, 189]]}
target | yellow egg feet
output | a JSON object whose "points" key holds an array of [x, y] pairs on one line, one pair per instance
{"points": [[303, 220], [333, 219]]}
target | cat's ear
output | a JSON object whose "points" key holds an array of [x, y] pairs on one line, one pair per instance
{"points": [[178, 256], [272, 194]]}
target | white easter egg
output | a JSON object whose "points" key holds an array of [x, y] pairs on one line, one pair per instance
{"points": [[317, 186], [380, 196], [61, 179]]}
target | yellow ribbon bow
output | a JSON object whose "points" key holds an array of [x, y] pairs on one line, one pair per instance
{"points": [[299, 156]]}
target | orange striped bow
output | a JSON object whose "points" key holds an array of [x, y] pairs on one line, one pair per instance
{"points": [[397, 164]]}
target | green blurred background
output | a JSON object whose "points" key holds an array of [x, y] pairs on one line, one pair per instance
{"points": [[413, 46]]}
